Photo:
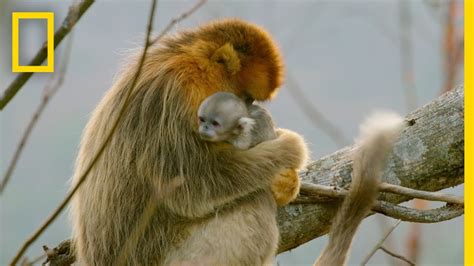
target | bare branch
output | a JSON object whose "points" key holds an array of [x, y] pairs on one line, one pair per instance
{"points": [[419, 194], [49, 90], [395, 255], [405, 214], [76, 11], [319, 193], [178, 19], [312, 193], [379, 244]]}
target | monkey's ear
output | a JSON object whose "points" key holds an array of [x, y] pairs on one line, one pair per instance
{"points": [[228, 57]]}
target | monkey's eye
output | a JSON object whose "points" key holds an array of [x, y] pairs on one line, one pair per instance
{"points": [[202, 119], [215, 123]]}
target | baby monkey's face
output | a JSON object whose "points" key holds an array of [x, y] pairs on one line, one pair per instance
{"points": [[218, 116], [217, 128]]}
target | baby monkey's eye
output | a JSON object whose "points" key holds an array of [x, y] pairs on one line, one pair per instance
{"points": [[215, 123], [202, 119]]}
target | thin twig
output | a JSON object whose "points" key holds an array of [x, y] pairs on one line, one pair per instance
{"points": [[312, 193], [35, 261], [76, 11], [379, 244], [316, 117], [178, 19], [49, 90], [395, 255], [406, 214], [315, 190]]}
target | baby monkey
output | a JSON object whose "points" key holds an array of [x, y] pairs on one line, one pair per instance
{"points": [[225, 117]]}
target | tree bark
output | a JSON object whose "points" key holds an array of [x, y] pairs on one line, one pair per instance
{"points": [[428, 156]]}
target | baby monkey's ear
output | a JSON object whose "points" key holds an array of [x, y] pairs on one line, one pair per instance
{"points": [[228, 57]]}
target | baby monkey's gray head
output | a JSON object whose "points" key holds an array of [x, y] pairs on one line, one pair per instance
{"points": [[219, 116]]}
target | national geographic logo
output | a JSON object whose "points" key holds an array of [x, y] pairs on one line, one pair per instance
{"points": [[49, 17]]}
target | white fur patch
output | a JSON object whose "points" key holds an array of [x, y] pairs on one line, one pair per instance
{"points": [[247, 124], [244, 139]]}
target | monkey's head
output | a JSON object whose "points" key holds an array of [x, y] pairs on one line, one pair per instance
{"points": [[248, 55], [228, 55], [222, 116]]}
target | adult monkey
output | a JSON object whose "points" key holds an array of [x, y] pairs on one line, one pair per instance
{"points": [[210, 203]]}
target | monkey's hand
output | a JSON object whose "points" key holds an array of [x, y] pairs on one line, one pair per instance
{"points": [[286, 186], [292, 149]]}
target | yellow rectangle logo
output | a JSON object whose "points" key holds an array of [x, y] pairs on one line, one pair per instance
{"points": [[16, 16]]}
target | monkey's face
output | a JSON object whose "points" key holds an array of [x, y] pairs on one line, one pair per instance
{"points": [[216, 128], [209, 129], [218, 124], [218, 116]]}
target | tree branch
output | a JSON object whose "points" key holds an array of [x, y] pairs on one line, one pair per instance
{"points": [[313, 193], [405, 214], [75, 13], [380, 243], [178, 19], [428, 156], [398, 256], [49, 91], [419, 194]]}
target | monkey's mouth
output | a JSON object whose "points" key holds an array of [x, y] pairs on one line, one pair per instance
{"points": [[208, 137]]}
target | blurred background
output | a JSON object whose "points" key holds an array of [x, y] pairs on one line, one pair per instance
{"points": [[343, 59]]}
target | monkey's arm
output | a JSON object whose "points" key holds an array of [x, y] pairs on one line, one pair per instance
{"points": [[237, 173]]}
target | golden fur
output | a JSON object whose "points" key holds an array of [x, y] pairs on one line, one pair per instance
{"points": [[161, 196], [286, 187]]}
